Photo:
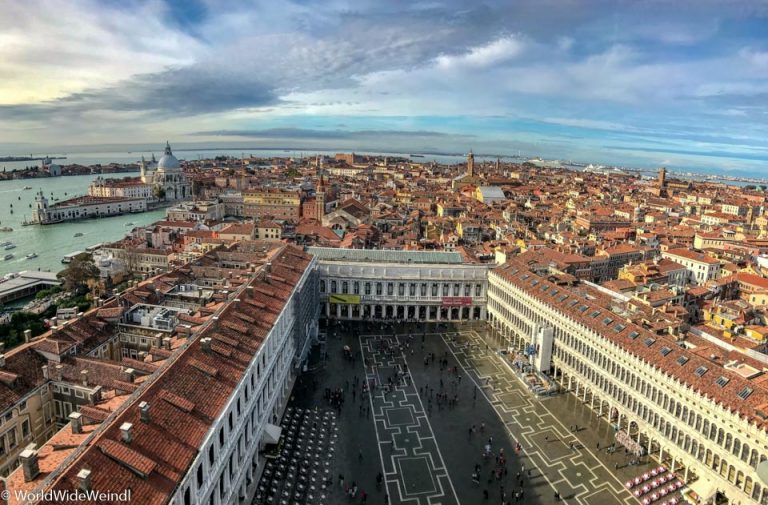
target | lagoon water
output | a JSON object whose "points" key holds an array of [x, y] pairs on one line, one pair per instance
{"points": [[52, 242]]}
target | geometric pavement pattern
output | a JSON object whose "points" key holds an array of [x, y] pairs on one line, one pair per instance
{"points": [[575, 473], [414, 470]]}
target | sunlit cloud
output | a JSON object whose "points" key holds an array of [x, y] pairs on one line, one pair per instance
{"points": [[567, 76]]}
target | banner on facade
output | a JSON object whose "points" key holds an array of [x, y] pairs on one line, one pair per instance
{"points": [[456, 301], [352, 299]]}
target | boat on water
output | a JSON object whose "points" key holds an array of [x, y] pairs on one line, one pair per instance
{"points": [[10, 246], [78, 234], [6, 228], [8, 257], [417, 155], [69, 257], [31, 256], [27, 187]]}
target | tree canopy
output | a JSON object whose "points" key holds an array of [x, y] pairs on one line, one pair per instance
{"points": [[79, 271]]}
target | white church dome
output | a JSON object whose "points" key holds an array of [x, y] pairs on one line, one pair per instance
{"points": [[168, 161]]}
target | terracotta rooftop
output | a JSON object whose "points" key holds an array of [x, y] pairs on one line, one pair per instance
{"points": [[186, 398], [595, 310]]}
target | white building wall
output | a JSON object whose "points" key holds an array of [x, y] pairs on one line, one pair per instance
{"points": [[687, 431], [258, 399], [421, 290]]}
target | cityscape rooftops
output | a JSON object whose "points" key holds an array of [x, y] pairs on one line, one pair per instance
{"points": [[186, 395]]}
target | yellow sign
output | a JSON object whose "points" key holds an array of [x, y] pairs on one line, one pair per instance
{"points": [[353, 299]]}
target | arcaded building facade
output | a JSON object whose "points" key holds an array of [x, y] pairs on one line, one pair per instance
{"points": [[703, 416]]}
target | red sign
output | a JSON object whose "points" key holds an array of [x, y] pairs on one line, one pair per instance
{"points": [[456, 301]]}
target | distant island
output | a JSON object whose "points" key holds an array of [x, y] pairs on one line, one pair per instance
{"points": [[31, 158], [66, 170]]}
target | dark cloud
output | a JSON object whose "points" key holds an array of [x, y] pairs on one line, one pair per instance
{"points": [[173, 92], [254, 53]]}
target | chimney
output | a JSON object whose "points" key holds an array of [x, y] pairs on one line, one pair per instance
{"points": [[128, 374], [144, 411], [2, 360], [75, 419], [206, 343], [84, 480], [167, 343], [126, 429], [45, 372], [29, 464], [95, 396], [84, 377], [142, 355], [59, 368], [27, 335]]}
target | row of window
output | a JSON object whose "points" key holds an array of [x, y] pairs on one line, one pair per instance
{"points": [[564, 336], [268, 377], [434, 288], [68, 390], [671, 430]]}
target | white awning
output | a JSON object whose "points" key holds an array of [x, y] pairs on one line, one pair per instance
{"points": [[762, 471], [272, 434], [704, 488]]}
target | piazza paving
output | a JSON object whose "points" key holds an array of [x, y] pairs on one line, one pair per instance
{"points": [[429, 385]]}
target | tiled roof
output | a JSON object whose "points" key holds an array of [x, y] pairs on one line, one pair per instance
{"points": [[390, 256], [569, 300], [186, 398], [26, 366]]}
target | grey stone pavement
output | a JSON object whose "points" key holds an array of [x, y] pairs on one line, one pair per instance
{"points": [[424, 448]]}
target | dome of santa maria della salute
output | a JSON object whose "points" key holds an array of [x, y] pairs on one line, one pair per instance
{"points": [[168, 161]]}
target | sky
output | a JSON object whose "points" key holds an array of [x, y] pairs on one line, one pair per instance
{"points": [[680, 83]]}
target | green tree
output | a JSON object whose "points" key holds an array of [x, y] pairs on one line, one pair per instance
{"points": [[77, 274], [159, 192]]}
